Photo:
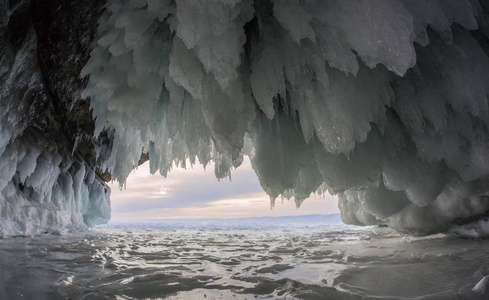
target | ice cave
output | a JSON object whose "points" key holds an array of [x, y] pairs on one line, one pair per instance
{"points": [[383, 103]]}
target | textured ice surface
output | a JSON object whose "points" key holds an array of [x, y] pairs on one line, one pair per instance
{"points": [[381, 102], [312, 261]]}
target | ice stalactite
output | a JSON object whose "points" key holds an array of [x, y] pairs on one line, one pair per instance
{"points": [[383, 103]]}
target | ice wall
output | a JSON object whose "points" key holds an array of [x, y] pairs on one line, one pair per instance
{"points": [[47, 185], [382, 102]]}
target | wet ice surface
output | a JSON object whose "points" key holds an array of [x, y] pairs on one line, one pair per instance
{"points": [[242, 262]]}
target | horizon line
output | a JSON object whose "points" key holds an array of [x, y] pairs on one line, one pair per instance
{"points": [[225, 219]]}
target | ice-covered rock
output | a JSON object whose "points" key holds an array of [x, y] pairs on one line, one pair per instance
{"points": [[48, 181], [383, 102]]}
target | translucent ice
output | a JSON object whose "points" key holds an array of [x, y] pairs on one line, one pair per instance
{"points": [[382, 102]]}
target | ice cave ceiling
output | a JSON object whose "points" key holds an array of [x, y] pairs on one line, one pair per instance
{"points": [[381, 102]]}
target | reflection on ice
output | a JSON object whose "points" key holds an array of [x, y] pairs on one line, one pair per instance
{"points": [[254, 261]]}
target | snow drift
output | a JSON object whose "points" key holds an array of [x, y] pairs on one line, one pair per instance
{"points": [[381, 102]]}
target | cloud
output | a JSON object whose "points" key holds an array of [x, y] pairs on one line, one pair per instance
{"points": [[196, 193]]}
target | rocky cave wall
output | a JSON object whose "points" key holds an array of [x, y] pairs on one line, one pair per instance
{"points": [[49, 180]]}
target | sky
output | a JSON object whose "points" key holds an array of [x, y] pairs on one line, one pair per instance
{"points": [[195, 193]]}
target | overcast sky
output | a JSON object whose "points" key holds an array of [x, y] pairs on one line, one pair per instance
{"points": [[195, 193]]}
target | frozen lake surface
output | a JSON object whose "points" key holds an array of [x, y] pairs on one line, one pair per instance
{"points": [[254, 261]]}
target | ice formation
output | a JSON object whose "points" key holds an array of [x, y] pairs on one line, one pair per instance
{"points": [[41, 190], [383, 103], [45, 185]]}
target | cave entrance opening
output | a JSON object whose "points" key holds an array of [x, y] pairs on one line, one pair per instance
{"points": [[195, 193]]}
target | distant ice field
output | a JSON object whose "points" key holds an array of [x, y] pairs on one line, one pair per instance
{"points": [[215, 260]]}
